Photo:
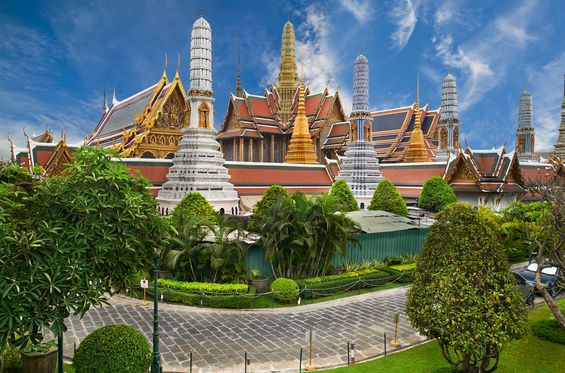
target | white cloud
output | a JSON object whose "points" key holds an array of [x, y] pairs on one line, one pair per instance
{"points": [[362, 10], [405, 19], [512, 32], [546, 86]]}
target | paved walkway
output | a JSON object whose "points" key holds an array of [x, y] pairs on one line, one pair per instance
{"points": [[272, 337]]}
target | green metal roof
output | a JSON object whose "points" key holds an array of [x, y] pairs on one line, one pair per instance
{"points": [[381, 221]]}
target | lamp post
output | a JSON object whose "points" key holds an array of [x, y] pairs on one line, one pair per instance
{"points": [[156, 364]]}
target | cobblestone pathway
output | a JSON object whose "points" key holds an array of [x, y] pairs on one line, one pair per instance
{"points": [[272, 337]]}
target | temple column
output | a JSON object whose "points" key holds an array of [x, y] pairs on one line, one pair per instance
{"points": [[234, 150], [261, 145], [272, 150], [241, 148], [250, 150]]}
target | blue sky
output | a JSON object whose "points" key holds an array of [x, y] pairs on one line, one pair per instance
{"points": [[57, 56]]}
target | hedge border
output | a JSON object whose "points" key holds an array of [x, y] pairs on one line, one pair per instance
{"points": [[549, 330], [238, 300], [328, 288]]}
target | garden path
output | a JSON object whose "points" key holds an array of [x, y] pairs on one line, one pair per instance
{"points": [[272, 337]]}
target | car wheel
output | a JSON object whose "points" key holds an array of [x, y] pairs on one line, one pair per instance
{"points": [[530, 299]]}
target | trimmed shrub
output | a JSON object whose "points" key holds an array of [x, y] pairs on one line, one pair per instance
{"points": [[402, 269], [344, 199], [265, 204], [436, 194], [237, 300], [550, 330], [285, 290], [113, 348], [393, 260], [318, 287], [203, 287], [194, 205], [386, 198]]}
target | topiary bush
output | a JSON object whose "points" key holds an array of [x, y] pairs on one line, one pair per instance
{"points": [[116, 348], [285, 290], [194, 205], [264, 205], [550, 330], [386, 198], [436, 194], [344, 199]]}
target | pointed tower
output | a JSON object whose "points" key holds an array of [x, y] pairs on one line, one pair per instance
{"points": [[301, 148], [238, 86], [448, 124], [104, 103], [288, 78], [360, 168], [199, 165], [416, 150], [525, 136], [560, 143]]}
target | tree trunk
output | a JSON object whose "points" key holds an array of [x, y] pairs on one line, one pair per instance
{"points": [[545, 294]]}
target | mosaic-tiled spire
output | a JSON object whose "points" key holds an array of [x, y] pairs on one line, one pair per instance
{"points": [[560, 143], [360, 84], [448, 124], [201, 56], [288, 77], [525, 138], [360, 167], [416, 150]]}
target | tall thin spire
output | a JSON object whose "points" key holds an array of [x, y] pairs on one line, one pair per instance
{"points": [[560, 143], [105, 103], [301, 148], [201, 56], [361, 84], [238, 86], [416, 150], [448, 124], [525, 137], [288, 78]]}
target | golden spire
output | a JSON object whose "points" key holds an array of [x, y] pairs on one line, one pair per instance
{"points": [[301, 148], [165, 68], [288, 78], [416, 150], [178, 67]]}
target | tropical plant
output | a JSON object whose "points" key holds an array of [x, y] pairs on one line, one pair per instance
{"points": [[264, 205], [386, 198], [115, 348], [301, 236], [285, 290], [344, 199], [436, 194], [195, 206], [84, 233], [464, 294]]}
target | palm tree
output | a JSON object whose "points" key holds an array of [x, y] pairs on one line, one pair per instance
{"points": [[225, 254]]}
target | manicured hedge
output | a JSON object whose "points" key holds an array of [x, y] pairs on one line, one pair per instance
{"points": [[233, 300], [285, 290], [203, 287], [550, 330], [399, 269], [318, 287]]}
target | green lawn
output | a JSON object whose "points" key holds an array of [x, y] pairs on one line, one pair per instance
{"points": [[529, 354]]}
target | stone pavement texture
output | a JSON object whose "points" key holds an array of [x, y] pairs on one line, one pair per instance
{"points": [[271, 337]]}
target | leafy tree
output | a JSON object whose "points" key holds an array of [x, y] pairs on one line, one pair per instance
{"points": [[301, 236], [387, 198], [436, 194], [84, 233], [264, 205], [464, 294], [194, 205], [516, 222], [344, 199]]}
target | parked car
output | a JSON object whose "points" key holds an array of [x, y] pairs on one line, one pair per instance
{"points": [[549, 277], [527, 289]]}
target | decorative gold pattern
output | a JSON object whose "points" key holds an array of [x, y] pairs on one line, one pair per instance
{"points": [[204, 115], [301, 148]]}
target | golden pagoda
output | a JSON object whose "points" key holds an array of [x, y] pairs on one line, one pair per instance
{"points": [[288, 78], [416, 150], [301, 148]]}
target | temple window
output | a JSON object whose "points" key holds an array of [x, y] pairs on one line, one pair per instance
{"points": [[203, 115]]}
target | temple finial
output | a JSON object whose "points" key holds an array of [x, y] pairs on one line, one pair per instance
{"points": [[114, 100], [105, 102], [238, 86], [178, 67], [302, 66], [165, 67], [418, 88]]}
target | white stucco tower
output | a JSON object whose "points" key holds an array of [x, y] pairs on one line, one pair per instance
{"points": [[448, 124], [199, 165], [360, 168]]}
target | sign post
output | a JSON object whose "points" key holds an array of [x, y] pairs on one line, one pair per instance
{"points": [[144, 285], [395, 343], [309, 366]]}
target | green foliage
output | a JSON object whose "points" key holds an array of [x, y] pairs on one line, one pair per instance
{"points": [[238, 300], [301, 236], [11, 360], [436, 194], [11, 173], [345, 201], [386, 198], [517, 220], [464, 294], [549, 330], [114, 348], [203, 287], [319, 287], [195, 206], [403, 271], [366, 264], [40, 348], [83, 234], [393, 260], [285, 290], [270, 197]]}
